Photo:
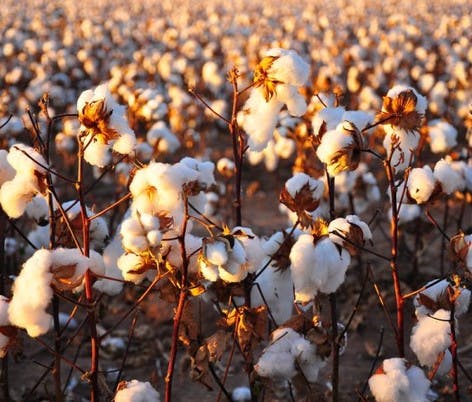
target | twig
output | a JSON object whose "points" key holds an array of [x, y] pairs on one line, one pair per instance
{"points": [[374, 363]]}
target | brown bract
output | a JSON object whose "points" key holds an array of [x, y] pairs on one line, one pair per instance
{"points": [[302, 203], [95, 117], [281, 258], [263, 79], [401, 111], [458, 248], [64, 277]]}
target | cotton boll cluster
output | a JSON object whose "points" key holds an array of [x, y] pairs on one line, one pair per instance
{"points": [[103, 126], [397, 381], [442, 136], [29, 179], [61, 269], [277, 77], [317, 265], [136, 391], [287, 353]]}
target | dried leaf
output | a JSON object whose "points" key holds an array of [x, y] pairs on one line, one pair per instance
{"points": [[401, 111]]}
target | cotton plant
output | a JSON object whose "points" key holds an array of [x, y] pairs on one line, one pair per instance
{"points": [[45, 271], [136, 391], [402, 114], [398, 381], [277, 79], [288, 354], [104, 127], [18, 190]]}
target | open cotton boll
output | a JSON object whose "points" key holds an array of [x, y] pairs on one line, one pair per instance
{"points": [[136, 391], [276, 286], [125, 144], [23, 164], [408, 142], [442, 136], [295, 102], [216, 253], [354, 232], [319, 267], [132, 267], [421, 184], [359, 118], [334, 144], [431, 336], [16, 194], [4, 321], [204, 169], [438, 290], [260, 119], [421, 101], [295, 184], [397, 383], [6, 170], [254, 252], [288, 67], [38, 209], [97, 153], [32, 294], [450, 179]]}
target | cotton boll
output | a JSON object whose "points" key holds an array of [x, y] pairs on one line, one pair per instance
{"points": [[288, 67], [450, 179], [430, 337], [125, 144], [254, 252], [23, 164], [216, 253], [97, 153], [260, 119], [32, 294], [437, 290], [334, 143], [421, 102], [421, 184], [16, 194], [359, 118], [289, 95], [330, 116], [402, 155], [442, 136], [38, 209], [136, 391], [396, 383], [132, 267]]}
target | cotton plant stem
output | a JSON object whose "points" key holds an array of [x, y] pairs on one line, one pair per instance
{"points": [[443, 239], [180, 306], [333, 307], [400, 334], [453, 348], [88, 281]]}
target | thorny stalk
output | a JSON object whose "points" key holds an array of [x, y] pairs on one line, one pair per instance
{"points": [[181, 304]]}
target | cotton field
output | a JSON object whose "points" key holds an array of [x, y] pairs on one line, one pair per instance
{"points": [[241, 202]]}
